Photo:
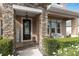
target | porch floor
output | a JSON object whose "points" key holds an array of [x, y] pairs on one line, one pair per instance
{"points": [[31, 51]]}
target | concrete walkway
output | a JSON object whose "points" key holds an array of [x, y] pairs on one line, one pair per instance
{"points": [[32, 51]]}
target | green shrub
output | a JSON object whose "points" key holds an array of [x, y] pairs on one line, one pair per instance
{"points": [[50, 46], [1, 37], [61, 46], [6, 47]]}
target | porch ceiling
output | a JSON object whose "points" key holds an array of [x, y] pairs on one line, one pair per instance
{"points": [[22, 10], [23, 13], [62, 12]]}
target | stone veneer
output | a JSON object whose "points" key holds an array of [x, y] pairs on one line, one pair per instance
{"points": [[43, 26], [8, 20], [74, 27], [63, 27]]}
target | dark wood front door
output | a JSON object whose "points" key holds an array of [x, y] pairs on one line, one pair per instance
{"points": [[26, 29]]}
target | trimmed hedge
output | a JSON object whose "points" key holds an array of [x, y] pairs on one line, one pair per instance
{"points": [[6, 46], [49, 46], [61, 46]]}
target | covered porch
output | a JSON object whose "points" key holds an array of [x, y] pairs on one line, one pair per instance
{"points": [[59, 16], [27, 26]]}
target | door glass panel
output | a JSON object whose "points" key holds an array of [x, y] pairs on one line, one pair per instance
{"points": [[26, 25], [26, 29]]}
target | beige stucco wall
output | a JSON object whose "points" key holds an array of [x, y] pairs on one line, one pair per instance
{"points": [[35, 26], [18, 28]]}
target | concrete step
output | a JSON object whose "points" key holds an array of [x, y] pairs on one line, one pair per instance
{"points": [[32, 51], [20, 46]]}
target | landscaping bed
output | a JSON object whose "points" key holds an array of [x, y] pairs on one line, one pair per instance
{"points": [[61, 46], [6, 46]]}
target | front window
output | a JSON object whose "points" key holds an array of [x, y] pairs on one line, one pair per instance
{"points": [[53, 26], [58, 27]]}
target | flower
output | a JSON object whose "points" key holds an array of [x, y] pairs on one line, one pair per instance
{"points": [[76, 46], [0, 54], [74, 52], [65, 49], [72, 45], [60, 51], [54, 53], [78, 49]]}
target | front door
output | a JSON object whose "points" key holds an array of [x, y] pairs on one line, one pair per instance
{"points": [[26, 29]]}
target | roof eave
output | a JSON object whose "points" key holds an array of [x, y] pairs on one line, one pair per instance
{"points": [[62, 10]]}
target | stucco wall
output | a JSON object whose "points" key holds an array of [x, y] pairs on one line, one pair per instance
{"points": [[18, 28], [68, 30], [35, 21]]}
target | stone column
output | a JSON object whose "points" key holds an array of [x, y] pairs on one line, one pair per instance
{"points": [[63, 27], [0, 19], [8, 20], [8, 23], [43, 20], [74, 27]]}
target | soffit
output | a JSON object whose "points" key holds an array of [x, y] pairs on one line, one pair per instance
{"points": [[22, 10]]}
